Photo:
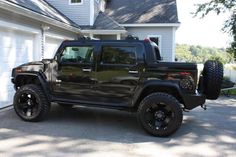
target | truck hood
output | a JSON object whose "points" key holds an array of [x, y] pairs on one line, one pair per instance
{"points": [[32, 66], [36, 66]]}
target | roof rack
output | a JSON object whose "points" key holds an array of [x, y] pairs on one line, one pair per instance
{"points": [[84, 38], [87, 38], [131, 37]]}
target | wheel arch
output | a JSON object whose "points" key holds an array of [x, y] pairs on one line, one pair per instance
{"points": [[169, 88], [22, 79]]}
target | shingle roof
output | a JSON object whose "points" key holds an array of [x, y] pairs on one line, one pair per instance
{"points": [[104, 22], [143, 11], [44, 8]]}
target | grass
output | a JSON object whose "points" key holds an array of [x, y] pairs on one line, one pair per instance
{"points": [[231, 92]]}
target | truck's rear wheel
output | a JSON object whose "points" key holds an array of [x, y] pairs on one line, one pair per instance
{"points": [[31, 104], [160, 114], [212, 79]]}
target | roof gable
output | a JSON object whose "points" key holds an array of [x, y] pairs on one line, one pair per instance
{"points": [[107, 23], [142, 11], [43, 8]]}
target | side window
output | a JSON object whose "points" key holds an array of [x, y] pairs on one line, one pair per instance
{"points": [[77, 54], [118, 55]]}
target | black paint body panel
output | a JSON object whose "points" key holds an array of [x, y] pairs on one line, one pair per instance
{"points": [[112, 85]]}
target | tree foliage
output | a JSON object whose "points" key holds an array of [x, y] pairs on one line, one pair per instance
{"points": [[221, 6], [199, 54]]}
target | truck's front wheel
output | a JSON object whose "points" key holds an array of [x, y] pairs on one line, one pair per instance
{"points": [[30, 103], [160, 114]]}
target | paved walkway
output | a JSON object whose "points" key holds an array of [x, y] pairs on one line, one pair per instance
{"points": [[87, 132]]}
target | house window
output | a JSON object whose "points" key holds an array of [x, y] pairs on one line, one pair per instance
{"points": [[75, 2], [156, 39]]}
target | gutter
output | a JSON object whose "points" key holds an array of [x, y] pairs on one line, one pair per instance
{"points": [[104, 31], [36, 16], [151, 25]]}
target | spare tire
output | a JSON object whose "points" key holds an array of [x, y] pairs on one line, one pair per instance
{"points": [[212, 79]]}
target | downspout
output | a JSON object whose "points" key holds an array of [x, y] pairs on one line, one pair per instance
{"points": [[43, 39]]}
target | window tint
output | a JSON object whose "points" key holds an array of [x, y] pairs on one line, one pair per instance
{"points": [[77, 55], [118, 55]]}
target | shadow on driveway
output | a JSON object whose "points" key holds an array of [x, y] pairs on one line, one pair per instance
{"points": [[88, 132]]}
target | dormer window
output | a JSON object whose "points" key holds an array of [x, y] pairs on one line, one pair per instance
{"points": [[75, 2]]}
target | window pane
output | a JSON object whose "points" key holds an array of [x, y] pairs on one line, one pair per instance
{"points": [[77, 55], [119, 55], [75, 1], [155, 40]]}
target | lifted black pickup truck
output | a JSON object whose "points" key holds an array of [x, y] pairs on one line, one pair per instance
{"points": [[125, 75]]}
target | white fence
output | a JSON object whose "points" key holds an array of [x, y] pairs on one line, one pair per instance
{"points": [[228, 72], [231, 74]]}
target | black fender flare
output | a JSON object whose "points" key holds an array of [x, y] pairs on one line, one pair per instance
{"points": [[167, 85], [42, 79]]}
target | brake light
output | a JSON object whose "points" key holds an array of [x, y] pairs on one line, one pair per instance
{"points": [[147, 40], [184, 73]]}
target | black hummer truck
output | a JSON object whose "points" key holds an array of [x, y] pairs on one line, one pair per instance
{"points": [[125, 75]]}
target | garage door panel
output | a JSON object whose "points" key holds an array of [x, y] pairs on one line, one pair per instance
{"points": [[16, 48]]}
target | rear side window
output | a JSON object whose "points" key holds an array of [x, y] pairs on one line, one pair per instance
{"points": [[118, 55]]}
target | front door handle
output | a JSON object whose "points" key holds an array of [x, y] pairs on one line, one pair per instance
{"points": [[133, 72], [87, 70]]}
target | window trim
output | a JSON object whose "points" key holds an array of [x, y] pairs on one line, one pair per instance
{"points": [[80, 3], [160, 40]]}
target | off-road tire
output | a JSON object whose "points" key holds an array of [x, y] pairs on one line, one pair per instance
{"points": [[42, 102], [212, 79], [172, 103]]}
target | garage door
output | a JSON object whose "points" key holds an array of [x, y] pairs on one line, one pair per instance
{"points": [[15, 48], [51, 46]]}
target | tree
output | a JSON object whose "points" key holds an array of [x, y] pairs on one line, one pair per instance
{"points": [[221, 6], [199, 54]]}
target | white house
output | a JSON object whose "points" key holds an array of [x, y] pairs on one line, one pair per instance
{"points": [[33, 29]]}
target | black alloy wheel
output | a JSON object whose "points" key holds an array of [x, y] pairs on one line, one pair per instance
{"points": [[31, 104], [160, 114]]}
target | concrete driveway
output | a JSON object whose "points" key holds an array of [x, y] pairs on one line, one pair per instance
{"points": [[88, 132]]}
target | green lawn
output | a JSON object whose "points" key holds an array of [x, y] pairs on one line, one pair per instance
{"points": [[231, 92]]}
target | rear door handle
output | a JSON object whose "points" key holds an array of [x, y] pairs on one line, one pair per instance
{"points": [[133, 72], [87, 70]]}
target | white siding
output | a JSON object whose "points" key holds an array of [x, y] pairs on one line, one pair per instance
{"points": [[96, 8], [167, 38], [99, 5], [80, 14]]}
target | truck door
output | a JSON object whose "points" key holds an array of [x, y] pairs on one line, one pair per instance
{"points": [[75, 77], [118, 72]]}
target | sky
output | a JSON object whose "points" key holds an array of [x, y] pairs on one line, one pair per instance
{"points": [[200, 31]]}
